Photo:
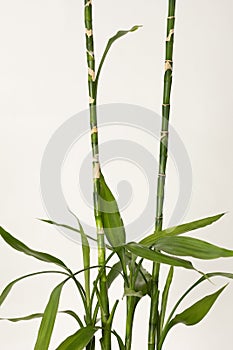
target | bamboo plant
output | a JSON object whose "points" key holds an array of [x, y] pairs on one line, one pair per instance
{"points": [[163, 246]]}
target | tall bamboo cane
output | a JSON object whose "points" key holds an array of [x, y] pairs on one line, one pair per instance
{"points": [[96, 170], [154, 313]]}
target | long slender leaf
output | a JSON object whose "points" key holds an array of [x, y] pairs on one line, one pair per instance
{"points": [[192, 315], [21, 247], [120, 341], [50, 222], [195, 313], [180, 229], [113, 223], [188, 246], [78, 340], [152, 255], [8, 288], [118, 35], [165, 296], [39, 315], [200, 280], [48, 320]]}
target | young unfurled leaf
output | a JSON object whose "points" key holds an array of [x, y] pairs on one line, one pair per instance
{"points": [[180, 229], [158, 257], [78, 340], [48, 320], [118, 35], [143, 282], [195, 313], [21, 247], [188, 246]]}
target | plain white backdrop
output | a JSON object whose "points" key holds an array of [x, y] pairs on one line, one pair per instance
{"points": [[43, 82]]}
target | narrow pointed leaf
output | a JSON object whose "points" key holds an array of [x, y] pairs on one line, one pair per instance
{"points": [[120, 341], [165, 296], [188, 246], [158, 257], [21, 247], [178, 230], [78, 340], [117, 36], [8, 288], [112, 221], [39, 315], [48, 320], [195, 313], [200, 280]]}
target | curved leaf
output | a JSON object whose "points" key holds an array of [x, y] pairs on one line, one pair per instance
{"points": [[8, 288], [180, 229], [188, 246], [78, 340], [39, 315], [195, 313], [48, 320], [21, 247], [118, 35], [152, 255], [112, 221]]}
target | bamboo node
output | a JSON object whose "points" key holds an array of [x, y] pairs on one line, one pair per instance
{"points": [[159, 217], [91, 100], [168, 65], [171, 17], [94, 130], [91, 53], [88, 3], [163, 175], [96, 170], [164, 134], [89, 32], [95, 158], [91, 72], [170, 35], [100, 231]]}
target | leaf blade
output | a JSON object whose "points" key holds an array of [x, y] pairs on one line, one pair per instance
{"points": [[180, 229], [152, 255], [48, 320], [78, 340], [21, 247], [189, 246]]}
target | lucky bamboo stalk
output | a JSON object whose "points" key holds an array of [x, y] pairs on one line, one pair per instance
{"points": [[104, 303], [154, 323]]}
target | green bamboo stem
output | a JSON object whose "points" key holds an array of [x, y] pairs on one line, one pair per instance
{"points": [[106, 335], [130, 311], [154, 312]]}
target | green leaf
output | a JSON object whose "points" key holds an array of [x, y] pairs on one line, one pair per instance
{"points": [[78, 340], [48, 320], [158, 257], [8, 288], [23, 318], [39, 315], [142, 283], [188, 246], [112, 221], [21, 247], [118, 35], [200, 280], [120, 341], [195, 313], [165, 296], [178, 230]]}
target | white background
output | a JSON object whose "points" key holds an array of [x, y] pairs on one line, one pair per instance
{"points": [[43, 82]]}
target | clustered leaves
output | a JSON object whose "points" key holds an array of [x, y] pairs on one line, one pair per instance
{"points": [[165, 246]]}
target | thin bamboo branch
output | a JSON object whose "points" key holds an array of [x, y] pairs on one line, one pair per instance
{"points": [[106, 335], [154, 312]]}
